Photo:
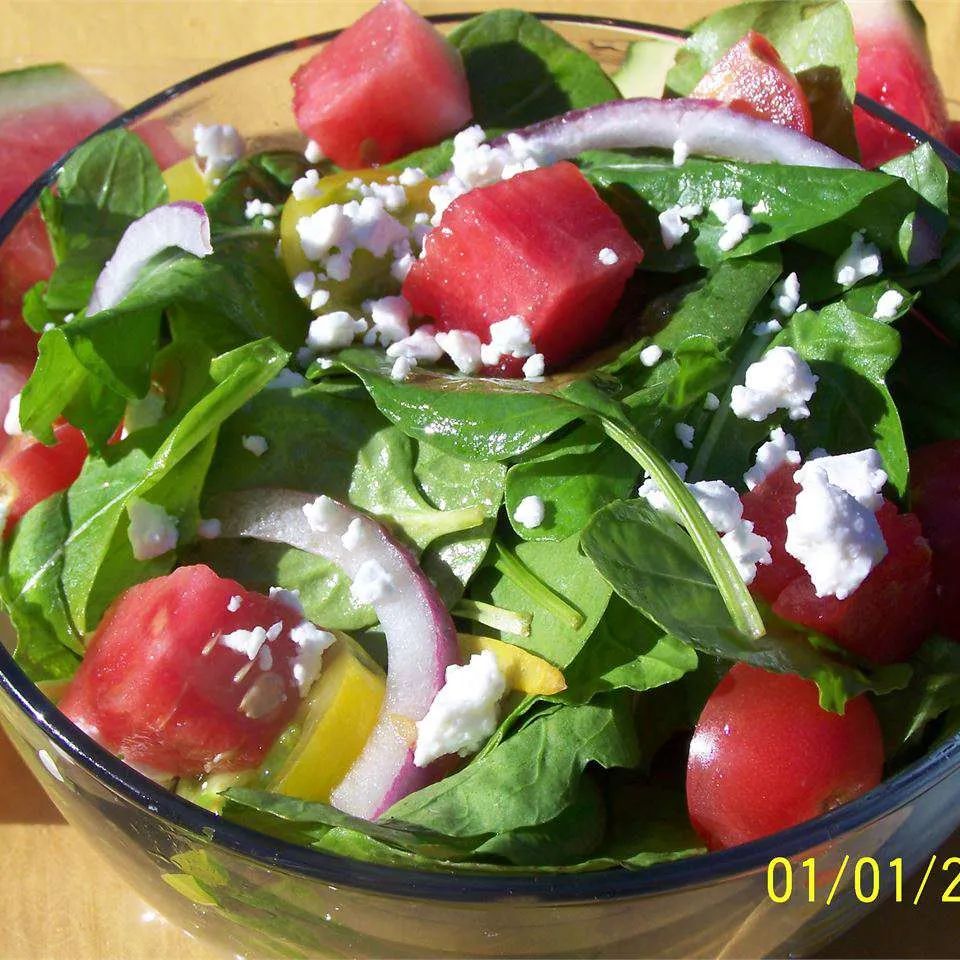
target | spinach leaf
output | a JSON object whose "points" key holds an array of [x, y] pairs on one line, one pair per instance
{"points": [[469, 418], [266, 176], [815, 206], [49, 646], [520, 70], [650, 561], [815, 40], [531, 777]]}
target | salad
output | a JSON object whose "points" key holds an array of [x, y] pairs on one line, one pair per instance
{"points": [[532, 470]]}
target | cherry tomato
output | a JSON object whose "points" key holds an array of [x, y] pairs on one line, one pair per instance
{"points": [[160, 688], [766, 756]]}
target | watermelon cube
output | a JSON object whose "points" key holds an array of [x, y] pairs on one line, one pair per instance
{"points": [[541, 246], [388, 85]]}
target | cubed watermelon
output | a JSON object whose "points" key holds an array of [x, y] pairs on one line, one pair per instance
{"points": [[542, 246], [387, 85], [752, 78]]}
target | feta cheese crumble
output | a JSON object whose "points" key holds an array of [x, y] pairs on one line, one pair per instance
{"points": [[734, 230], [333, 331], [684, 432], [258, 208], [747, 549], [608, 257], [681, 151], [786, 295], [720, 502], [255, 444], [402, 368], [313, 153], [289, 598], [651, 355], [888, 305], [11, 422], [767, 327], [372, 583], [726, 208], [861, 259], [463, 714], [304, 284], [836, 538], [354, 535], [534, 366], [510, 337], [781, 379], [322, 514], [152, 531], [673, 223], [234, 603], [421, 346], [462, 347], [390, 317], [530, 512], [711, 402], [771, 455], [859, 474], [311, 642], [219, 145], [249, 642]]}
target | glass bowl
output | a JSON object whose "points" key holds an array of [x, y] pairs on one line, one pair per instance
{"points": [[250, 894]]}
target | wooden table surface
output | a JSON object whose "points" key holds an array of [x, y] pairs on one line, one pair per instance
{"points": [[59, 902]]}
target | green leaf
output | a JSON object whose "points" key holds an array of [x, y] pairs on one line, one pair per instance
{"points": [[470, 418], [815, 41], [521, 71], [530, 777], [652, 563], [266, 176]]}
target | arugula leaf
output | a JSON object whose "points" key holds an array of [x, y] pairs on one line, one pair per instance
{"points": [[531, 777], [520, 70], [815, 41], [652, 564], [49, 646]]}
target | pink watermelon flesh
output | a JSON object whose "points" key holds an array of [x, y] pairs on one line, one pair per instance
{"points": [[528, 246], [386, 86], [894, 68], [44, 111]]}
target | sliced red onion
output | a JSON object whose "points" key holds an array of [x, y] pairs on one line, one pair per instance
{"points": [[421, 638], [183, 224], [706, 126]]}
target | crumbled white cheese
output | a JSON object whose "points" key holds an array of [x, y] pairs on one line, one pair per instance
{"points": [[747, 549], [311, 642], [354, 535], [651, 355], [255, 444], [720, 502], [681, 151], [209, 529], [781, 379], [411, 176], [323, 230], [219, 145], [421, 346], [322, 514], [711, 402], [534, 366], [290, 598], [313, 152], [234, 603], [249, 642], [861, 259], [836, 538], [771, 454], [319, 299], [462, 347], [333, 331], [402, 368], [390, 317], [372, 583], [608, 257], [860, 474], [306, 187], [510, 337], [673, 225], [477, 164], [766, 328], [684, 432], [304, 284], [259, 208], [263, 696], [888, 305], [734, 230], [152, 531], [761, 207], [726, 208], [650, 490], [11, 422], [786, 295], [464, 712], [530, 512]]}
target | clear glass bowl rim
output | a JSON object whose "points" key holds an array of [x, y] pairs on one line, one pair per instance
{"points": [[611, 884]]}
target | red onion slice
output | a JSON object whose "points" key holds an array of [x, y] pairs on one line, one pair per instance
{"points": [[183, 224], [421, 638], [706, 126]]}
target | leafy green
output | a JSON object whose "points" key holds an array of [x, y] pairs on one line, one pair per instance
{"points": [[268, 176], [520, 70], [651, 563], [815, 41]]}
